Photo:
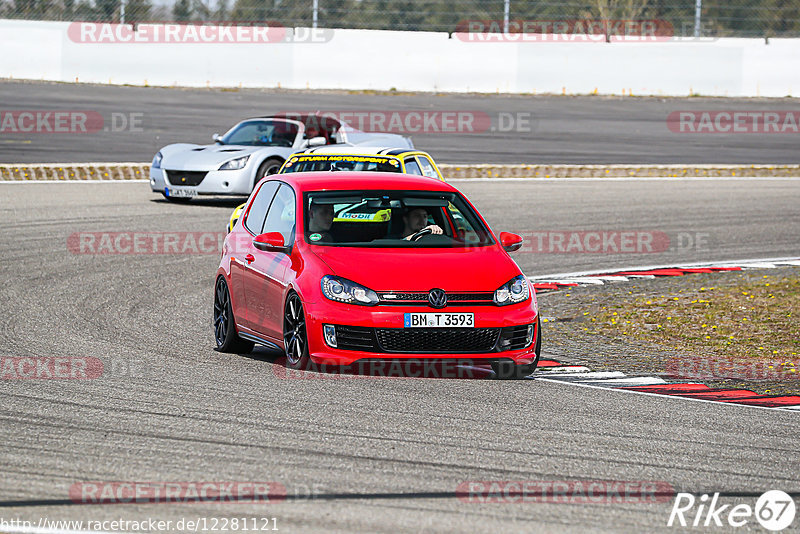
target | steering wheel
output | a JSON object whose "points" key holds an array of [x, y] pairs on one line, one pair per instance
{"points": [[424, 231]]}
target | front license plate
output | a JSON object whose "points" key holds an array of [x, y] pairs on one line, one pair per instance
{"points": [[438, 320], [177, 192]]}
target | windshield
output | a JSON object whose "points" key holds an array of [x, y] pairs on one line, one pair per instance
{"points": [[333, 162], [392, 219], [262, 132]]}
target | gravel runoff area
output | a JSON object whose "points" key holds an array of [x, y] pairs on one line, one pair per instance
{"points": [[571, 336]]}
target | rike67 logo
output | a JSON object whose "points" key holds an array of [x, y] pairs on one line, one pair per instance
{"points": [[774, 511]]}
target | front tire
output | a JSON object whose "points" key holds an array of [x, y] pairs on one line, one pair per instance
{"points": [[295, 337], [225, 335]]}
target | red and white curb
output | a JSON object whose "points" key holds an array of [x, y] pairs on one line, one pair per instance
{"points": [[554, 282], [554, 371]]}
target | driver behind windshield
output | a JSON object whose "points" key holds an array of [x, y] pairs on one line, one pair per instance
{"points": [[416, 220], [320, 220]]}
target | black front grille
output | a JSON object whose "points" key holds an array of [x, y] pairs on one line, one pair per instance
{"points": [[514, 338], [186, 177], [432, 340], [437, 340]]}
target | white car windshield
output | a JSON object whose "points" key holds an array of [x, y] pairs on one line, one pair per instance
{"points": [[262, 132]]}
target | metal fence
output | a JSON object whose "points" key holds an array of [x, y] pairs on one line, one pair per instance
{"points": [[706, 18]]}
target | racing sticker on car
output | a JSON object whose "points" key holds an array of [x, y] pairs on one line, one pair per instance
{"points": [[352, 159]]}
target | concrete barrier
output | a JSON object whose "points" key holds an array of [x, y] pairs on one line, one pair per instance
{"points": [[405, 61], [141, 171]]}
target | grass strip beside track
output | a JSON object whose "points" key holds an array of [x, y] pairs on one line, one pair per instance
{"points": [[138, 171], [747, 330]]}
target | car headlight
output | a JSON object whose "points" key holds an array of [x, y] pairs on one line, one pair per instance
{"points": [[234, 164], [343, 290], [514, 291], [157, 161]]}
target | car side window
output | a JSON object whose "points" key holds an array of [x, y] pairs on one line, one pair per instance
{"points": [[412, 167], [281, 216], [258, 210], [427, 167]]}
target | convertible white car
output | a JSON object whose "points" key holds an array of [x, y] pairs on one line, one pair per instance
{"points": [[252, 149]]}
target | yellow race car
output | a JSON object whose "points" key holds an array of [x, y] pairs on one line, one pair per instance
{"points": [[337, 158]]}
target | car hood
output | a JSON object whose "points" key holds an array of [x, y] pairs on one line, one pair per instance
{"points": [[186, 157], [422, 269]]}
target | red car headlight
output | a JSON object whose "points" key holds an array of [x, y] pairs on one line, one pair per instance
{"points": [[514, 291], [344, 290]]}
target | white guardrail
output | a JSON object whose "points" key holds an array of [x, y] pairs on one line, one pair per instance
{"points": [[405, 61]]}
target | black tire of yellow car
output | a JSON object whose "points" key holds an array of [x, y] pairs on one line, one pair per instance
{"points": [[295, 337], [225, 336], [508, 370]]}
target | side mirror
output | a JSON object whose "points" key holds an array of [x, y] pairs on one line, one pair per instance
{"points": [[216, 137], [317, 141], [510, 242], [271, 242]]}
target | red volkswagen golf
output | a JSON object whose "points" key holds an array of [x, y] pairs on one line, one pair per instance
{"points": [[337, 268]]}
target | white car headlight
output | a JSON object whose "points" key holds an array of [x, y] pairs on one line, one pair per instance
{"points": [[157, 161], [343, 290], [514, 291], [234, 164]]}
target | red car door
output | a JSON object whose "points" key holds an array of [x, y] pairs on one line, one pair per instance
{"points": [[242, 242], [264, 281]]}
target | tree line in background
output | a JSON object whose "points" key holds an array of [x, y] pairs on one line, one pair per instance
{"points": [[719, 17]]}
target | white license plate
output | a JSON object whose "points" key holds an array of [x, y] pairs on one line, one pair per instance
{"points": [[438, 320], [178, 192]]}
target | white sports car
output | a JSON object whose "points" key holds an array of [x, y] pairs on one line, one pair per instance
{"points": [[252, 149]]}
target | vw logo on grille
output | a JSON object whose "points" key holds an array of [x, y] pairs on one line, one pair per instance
{"points": [[437, 298]]}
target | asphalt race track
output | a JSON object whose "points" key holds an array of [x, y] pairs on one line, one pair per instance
{"points": [[377, 454], [545, 129]]}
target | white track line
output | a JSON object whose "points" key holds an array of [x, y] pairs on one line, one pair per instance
{"points": [[563, 369], [629, 381], [791, 260], [592, 375], [631, 392]]}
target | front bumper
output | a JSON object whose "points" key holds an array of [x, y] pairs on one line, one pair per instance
{"points": [[389, 319], [238, 182]]}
